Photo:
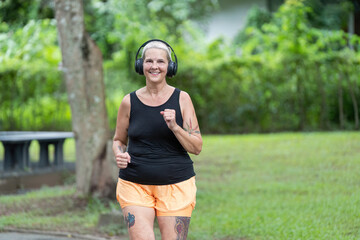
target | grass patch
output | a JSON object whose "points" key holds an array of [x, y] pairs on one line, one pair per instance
{"points": [[278, 186], [55, 209], [250, 187]]}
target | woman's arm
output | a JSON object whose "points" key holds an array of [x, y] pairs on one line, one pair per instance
{"points": [[121, 133], [189, 134]]}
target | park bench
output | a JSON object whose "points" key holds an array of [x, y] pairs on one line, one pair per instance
{"points": [[16, 145]]}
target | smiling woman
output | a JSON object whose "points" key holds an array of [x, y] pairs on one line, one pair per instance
{"points": [[155, 65], [156, 176]]}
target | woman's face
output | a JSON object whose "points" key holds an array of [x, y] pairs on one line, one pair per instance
{"points": [[155, 64]]}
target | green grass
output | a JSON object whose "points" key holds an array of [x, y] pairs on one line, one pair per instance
{"points": [[56, 209], [250, 187], [278, 186]]}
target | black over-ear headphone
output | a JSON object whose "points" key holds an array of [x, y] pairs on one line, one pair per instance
{"points": [[172, 67]]}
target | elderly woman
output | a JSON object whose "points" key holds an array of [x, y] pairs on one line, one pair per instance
{"points": [[156, 128]]}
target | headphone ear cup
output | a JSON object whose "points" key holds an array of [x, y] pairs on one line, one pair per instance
{"points": [[139, 66], [172, 68]]}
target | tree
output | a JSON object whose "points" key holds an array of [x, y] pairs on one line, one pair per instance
{"points": [[83, 72]]}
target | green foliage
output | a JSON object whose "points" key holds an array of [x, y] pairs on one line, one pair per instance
{"points": [[119, 27], [33, 94], [285, 75], [280, 73], [256, 18], [17, 13], [331, 14]]}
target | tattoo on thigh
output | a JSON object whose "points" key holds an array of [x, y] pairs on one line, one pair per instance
{"points": [[130, 220], [182, 227]]}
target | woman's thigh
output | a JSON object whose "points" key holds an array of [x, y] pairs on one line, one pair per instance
{"points": [[140, 222], [174, 227]]}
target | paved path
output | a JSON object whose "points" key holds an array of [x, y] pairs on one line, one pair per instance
{"points": [[38, 236], [28, 236]]}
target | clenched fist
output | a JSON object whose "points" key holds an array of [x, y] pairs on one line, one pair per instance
{"points": [[122, 158], [169, 117]]}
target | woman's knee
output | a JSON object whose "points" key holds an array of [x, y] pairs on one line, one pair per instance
{"points": [[175, 227], [140, 222]]}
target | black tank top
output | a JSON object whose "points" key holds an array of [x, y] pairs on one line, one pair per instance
{"points": [[157, 157]]}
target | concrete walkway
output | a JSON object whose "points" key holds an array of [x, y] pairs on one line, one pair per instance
{"points": [[27, 236], [47, 236]]}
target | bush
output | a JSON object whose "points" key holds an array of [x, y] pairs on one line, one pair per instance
{"points": [[33, 96], [280, 74]]}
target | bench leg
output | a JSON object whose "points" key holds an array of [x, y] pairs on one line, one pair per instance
{"points": [[22, 155], [16, 155], [59, 153], [44, 154], [9, 156]]}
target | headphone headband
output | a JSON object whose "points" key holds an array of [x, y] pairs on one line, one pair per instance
{"points": [[172, 67]]}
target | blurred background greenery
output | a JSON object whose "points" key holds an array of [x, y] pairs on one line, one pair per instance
{"points": [[295, 68]]}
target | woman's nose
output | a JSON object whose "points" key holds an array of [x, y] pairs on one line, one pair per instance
{"points": [[154, 65]]}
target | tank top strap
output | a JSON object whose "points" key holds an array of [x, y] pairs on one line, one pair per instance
{"points": [[133, 97], [177, 93], [175, 97]]}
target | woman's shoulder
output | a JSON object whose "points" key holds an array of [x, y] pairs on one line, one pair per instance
{"points": [[184, 96], [185, 99], [126, 100]]}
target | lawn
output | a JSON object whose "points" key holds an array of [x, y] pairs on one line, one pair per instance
{"points": [[279, 186], [250, 187]]}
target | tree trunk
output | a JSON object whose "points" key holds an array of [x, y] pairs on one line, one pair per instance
{"points": [[300, 99], [354, 101], [341, 104], [82, 67], [323, 105]]}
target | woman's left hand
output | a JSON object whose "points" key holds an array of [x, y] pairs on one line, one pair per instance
{"points": [[170, 118]]}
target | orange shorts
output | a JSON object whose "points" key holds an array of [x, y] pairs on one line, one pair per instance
{"points": [[168, 200]]}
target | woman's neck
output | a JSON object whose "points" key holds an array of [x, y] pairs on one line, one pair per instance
{"points": [[157, 89], [155, 95]]}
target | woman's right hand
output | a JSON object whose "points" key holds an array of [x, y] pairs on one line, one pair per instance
{"points": [[122, 159]]}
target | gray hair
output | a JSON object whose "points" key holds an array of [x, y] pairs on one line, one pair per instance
{"points": [[158, 45]]}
